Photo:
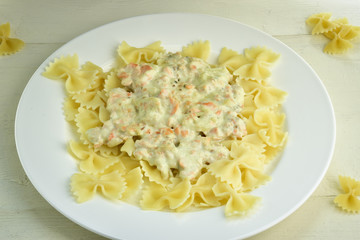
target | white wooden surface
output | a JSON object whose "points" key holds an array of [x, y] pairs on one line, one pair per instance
{"points": [[45, 25]]}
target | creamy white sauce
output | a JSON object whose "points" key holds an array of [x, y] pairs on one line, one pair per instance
{"points": [[179, 110]]}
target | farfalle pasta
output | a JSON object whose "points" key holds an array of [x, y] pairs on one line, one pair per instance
{"points": [[231, 170], [85, 120], [131, 54], [341, 39], [153, 174], [201, 193], [263, 95], [321, 23], [254, 64], [237, 202], [90, 161], [258, 61], [339, 31], [84, 186], [8, 45], [134, 182], [198, 49], [270, 127], [231, 59], [77, 79], [349, 200], [158, 197], [120, 166], [70, 109]]}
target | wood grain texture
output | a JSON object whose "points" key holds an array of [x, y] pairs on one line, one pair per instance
{"points": [[45, 25]]}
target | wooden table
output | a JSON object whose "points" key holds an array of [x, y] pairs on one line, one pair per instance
{"points": [[45, 25]]}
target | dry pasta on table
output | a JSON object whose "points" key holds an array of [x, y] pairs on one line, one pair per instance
{"points": [[9, 45], [339, 31], [349, 200]]}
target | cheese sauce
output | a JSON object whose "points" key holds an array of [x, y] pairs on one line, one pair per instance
{"points": [[178, 111]]}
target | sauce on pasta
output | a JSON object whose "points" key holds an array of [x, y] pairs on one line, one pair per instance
{"points": [[178, 111]]}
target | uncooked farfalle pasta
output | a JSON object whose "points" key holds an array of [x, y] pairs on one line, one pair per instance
{"points": [[349, 200], [339, 31], [8, 45], [169, 131]]}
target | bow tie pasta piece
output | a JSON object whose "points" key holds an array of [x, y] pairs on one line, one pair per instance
{"points": [[58, 68], [201, 193], [260, 59], [118, 166], [264, 96], [346, 32], [157, 197], [269, 97], [240, 150], [153, 174], [87, 77], [247, 155], [84, 186], [111, 82], [252, 178], [129, 162], [231, 59], [271, 152], [90, 161], [147, 54], [229, 170], [134, 182], [237, 203], [76, 79], [349, 201], [124, 165], [270, 124], [263, 54], [152, 198], [199, 49], [251, 142], [70, 109], [269, 130], [350, 185], [321, 23], [340, 22], [107, 151], [273, 138], [8, 45], [93, 97], [249, 106], [266, 118], [88, 119], [90, 100], [338, 46], [341, 39]]}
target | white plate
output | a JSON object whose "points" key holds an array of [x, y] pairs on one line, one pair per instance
{"points": [[42, 133]]}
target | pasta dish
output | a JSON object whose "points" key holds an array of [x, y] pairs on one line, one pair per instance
{"points": [[170, 131]]}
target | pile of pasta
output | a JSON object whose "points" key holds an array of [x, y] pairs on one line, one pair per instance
{"points": [[8, 45], [339, 31], [114, 173]]}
